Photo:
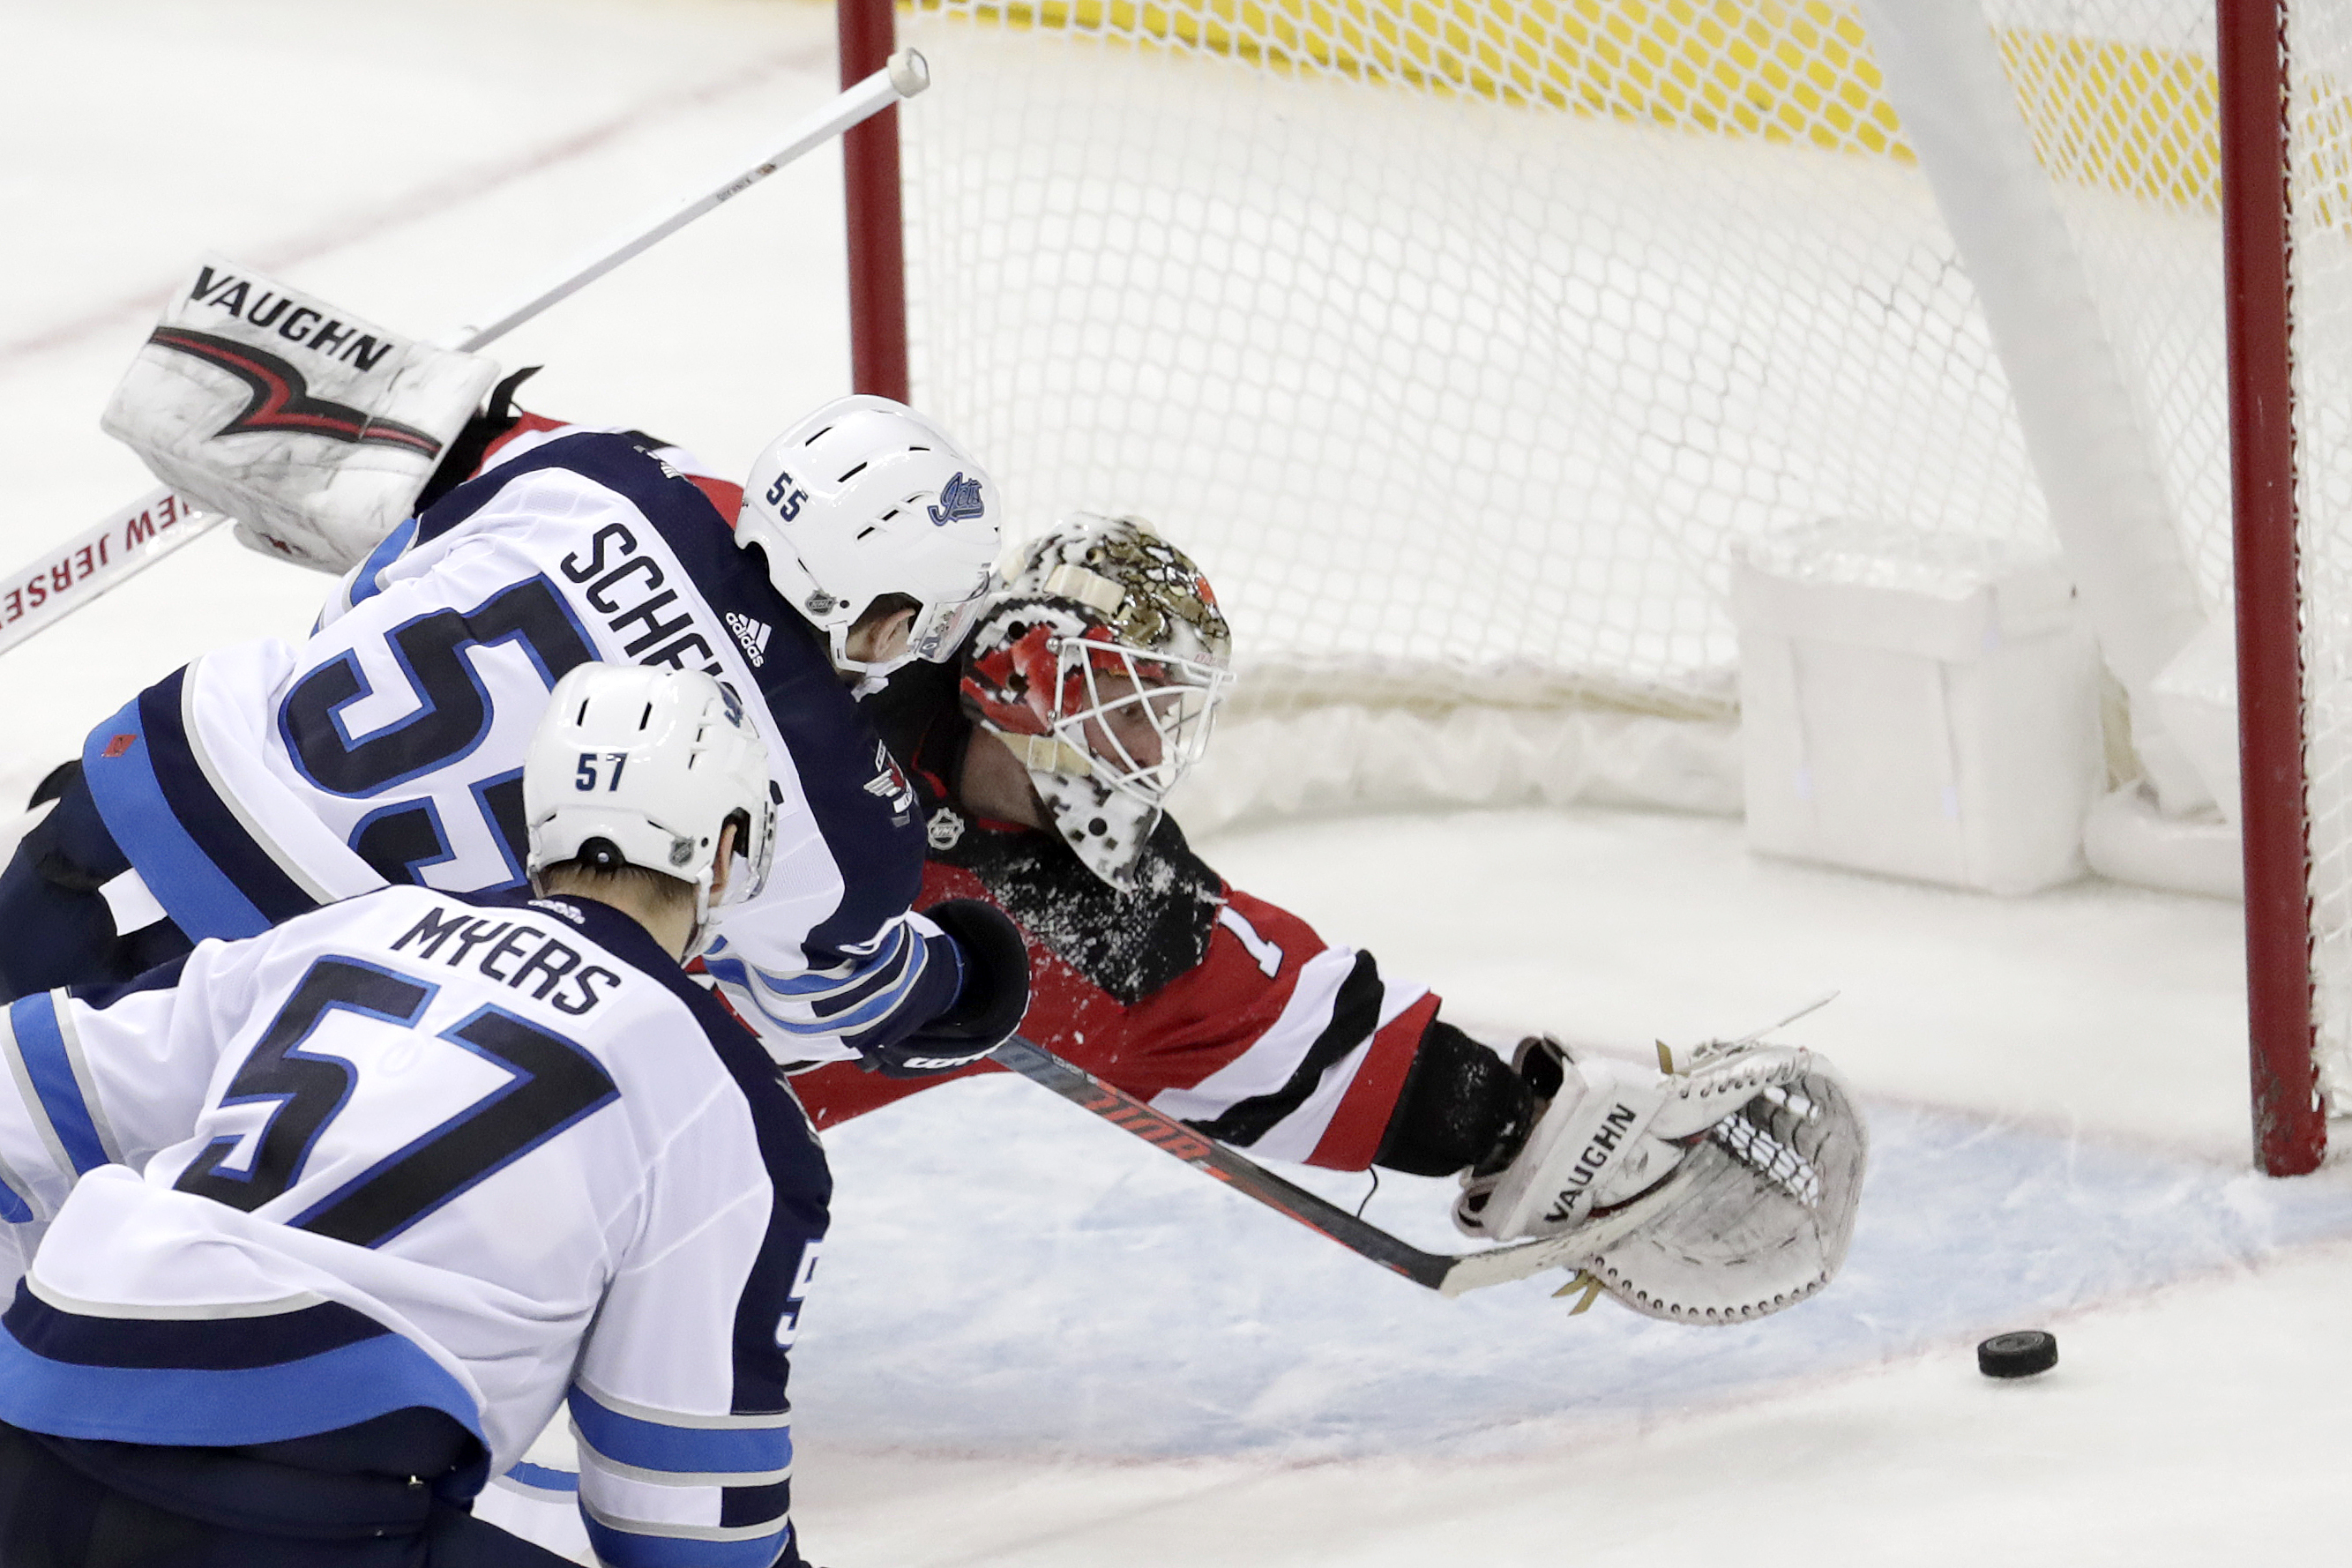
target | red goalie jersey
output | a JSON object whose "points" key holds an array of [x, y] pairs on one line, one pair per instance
{"points": [[1218, 1007]]}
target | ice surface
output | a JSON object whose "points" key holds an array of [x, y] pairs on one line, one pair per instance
{"points": [[1037, 1341], [1008, 1277], [428, 163]]}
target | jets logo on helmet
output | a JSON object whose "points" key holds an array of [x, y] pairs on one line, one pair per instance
{"points": [[959, 500]]}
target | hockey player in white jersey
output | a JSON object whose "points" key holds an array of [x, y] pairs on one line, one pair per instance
{"points": [[336, 1216], [265, 780]]}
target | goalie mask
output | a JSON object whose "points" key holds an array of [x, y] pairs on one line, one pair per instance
{"points": [[1101, 664]]}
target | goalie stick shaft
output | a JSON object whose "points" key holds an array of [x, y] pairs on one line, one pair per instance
{"points": [[67, 577], [1448, 1274]]}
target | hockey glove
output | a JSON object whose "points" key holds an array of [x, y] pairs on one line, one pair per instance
{"points": [[1711, 1195], [1757, 1216], [988, 1007]]}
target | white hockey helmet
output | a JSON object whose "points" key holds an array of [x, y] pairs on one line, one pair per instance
{"points": [[639, 766], [864, 498]]}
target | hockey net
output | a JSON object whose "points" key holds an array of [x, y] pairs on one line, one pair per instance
{"points": [[1464, 341], [2320, 216]]}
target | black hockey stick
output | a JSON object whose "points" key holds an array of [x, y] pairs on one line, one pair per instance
{"points": [[1447, 1273]]}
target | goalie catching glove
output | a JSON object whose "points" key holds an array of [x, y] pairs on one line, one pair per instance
{"points": [[1712, 1195]]}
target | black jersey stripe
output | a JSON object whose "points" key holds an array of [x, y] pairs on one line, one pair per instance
{"points": [[1355, 1016]]}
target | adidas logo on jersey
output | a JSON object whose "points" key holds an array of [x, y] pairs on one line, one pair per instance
{"points": [[752, 633]]}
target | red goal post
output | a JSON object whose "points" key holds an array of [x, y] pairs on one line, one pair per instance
{"points": [[2256, 137], [1467, 342]]}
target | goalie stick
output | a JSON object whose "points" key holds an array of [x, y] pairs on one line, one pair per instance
{"points": [[63, 579], [1447, 1273]]}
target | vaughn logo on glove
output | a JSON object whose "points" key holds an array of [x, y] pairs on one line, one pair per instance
{"points": [[314, 428]]}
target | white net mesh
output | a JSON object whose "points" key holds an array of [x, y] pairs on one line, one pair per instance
{"points": [[2320, 50], [1456, 375], [1461, 340], [2120, 97]]}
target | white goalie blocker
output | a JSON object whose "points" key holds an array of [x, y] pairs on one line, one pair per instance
{"points": [[1712, 1195], [312, 427]]}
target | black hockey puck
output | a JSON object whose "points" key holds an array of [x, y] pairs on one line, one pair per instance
{"points": [[2019, 1354]]}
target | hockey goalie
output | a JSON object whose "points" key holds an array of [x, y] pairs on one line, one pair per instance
{"points": [[1716, 1190]]}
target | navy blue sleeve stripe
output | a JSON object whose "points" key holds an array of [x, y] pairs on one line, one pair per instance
{"points": [[194, 855], [211, 1408], [211, 1345], [887, 979], [118, 761], [216, 821], [816, 984], [922, 995], [755, 1505], [39, 1044]]}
